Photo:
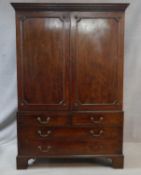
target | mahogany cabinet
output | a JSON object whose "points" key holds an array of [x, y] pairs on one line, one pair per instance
{"points": [[70, 81]]}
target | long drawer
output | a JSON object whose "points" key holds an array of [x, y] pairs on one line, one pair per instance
{"points": [[73, 133], [58, 148], [97, 118]]}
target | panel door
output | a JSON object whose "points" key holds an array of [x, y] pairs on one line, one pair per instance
{"points": [[43, 44], [97, 66]]}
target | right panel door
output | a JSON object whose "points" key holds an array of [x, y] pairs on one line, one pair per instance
{"points": [[97, 60]]}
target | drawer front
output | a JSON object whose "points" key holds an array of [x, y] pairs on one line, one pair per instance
{"points": [[43, 119], [98, 118], [54, 148], [49, 133]]}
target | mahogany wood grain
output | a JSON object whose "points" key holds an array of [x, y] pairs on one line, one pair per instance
{"points": [[112, 7], [70, 80], [97, 118], [60, 148], [43, 62], [73, 133], [43, 119], [96, 41]]}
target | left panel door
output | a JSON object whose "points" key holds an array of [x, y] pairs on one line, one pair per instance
{"points": [[43, 60]]}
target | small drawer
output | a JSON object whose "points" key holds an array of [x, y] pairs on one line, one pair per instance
{"points": [[98, 118], [61, 148], [48, 133], [43, 119]]}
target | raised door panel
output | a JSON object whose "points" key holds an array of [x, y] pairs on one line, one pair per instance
{"points": [[97, 60], [43, 61]]}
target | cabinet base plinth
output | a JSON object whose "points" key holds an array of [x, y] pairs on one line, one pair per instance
{"points": [[117, 160], [22, 162]]}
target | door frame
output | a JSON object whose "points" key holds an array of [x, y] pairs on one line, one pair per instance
{"points": [[118, 103], [21, 17]]}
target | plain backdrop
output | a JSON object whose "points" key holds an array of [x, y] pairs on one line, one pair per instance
{"points": [[132, 69]]}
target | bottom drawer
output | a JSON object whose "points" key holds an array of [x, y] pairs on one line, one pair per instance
{"points": [[60, 148]]}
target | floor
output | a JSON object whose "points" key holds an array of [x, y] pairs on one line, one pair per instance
{"points": [[132, 152]]}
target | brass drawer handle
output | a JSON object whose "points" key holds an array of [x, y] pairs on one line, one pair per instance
{"points": [[44, 135], [44, 150], [96, 134], [43, 122], [96, 121]]}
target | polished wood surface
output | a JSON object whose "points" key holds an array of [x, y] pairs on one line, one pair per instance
{"points": [[44, 62], [44, 119], [97, 118], [70, 80], [73, 133], [70, 6], [44, 73], [93, 36], [61, 148]]}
